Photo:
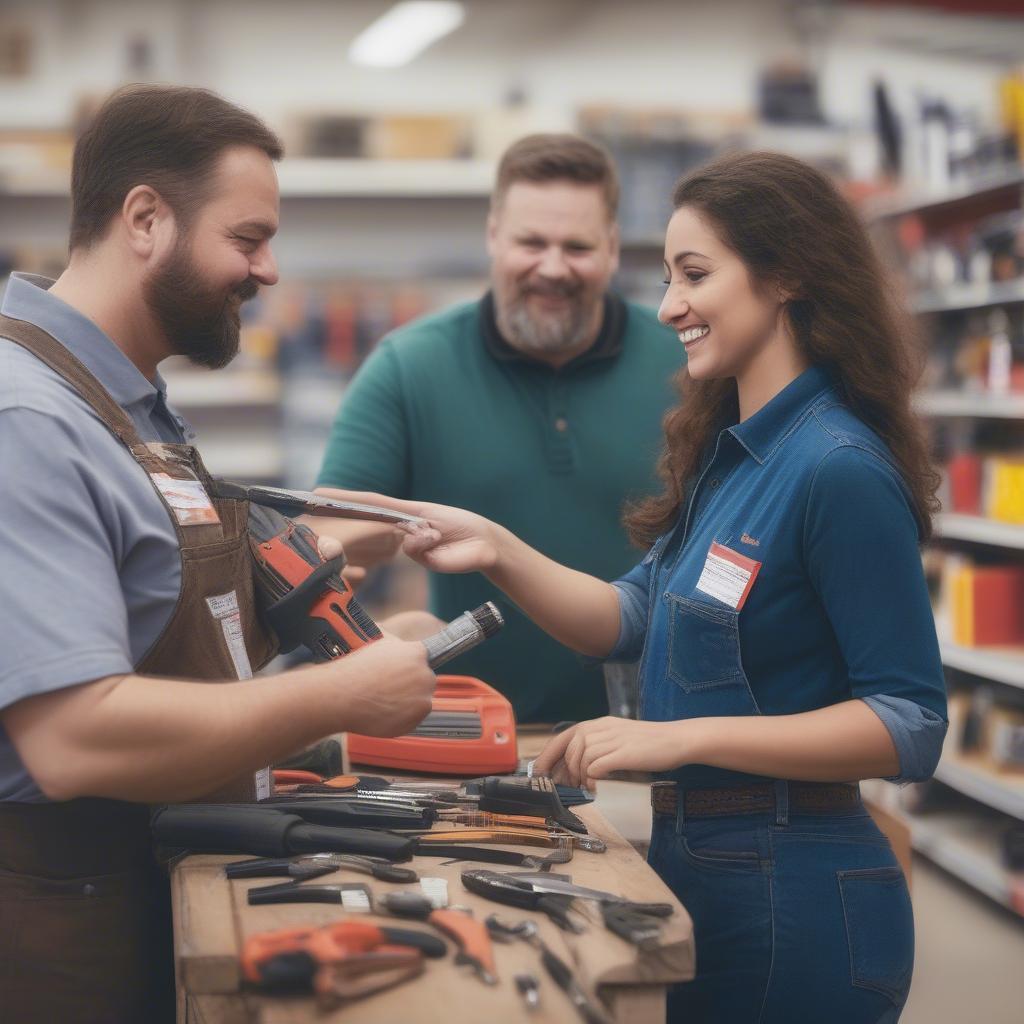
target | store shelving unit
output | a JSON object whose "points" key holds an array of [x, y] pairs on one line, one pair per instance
{"points": [[962, 830], [960, 297], [970, 404], [979, 530]]}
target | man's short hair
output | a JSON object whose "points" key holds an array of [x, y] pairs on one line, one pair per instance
{"points": [[167, 137], [558, 157]]}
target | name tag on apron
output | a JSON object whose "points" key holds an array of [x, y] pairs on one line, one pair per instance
{"points": [[187, 498], [224, 608], [728, 576]]}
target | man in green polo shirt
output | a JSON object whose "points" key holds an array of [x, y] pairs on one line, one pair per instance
{"points": [[539, 406]]}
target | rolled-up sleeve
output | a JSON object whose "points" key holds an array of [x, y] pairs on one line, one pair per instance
{"points": [[861, 544]]}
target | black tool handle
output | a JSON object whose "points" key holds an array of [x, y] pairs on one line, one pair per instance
{"points": [[347, 813], [407, 904], [225, 828], [427, 944], [293, 893], [527, 796], [393, 873], [266, 832], [484, 854], [494, 886]]}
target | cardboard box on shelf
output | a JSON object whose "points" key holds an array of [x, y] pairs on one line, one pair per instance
{"points": [[1005, 735], [988, 605]]}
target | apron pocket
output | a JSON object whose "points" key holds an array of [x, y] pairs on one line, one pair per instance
{"points": [[76, 948], [703, 645], [879, 930]]}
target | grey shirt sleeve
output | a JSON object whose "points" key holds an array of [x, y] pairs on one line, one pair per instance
{"points": [[65, 618]]}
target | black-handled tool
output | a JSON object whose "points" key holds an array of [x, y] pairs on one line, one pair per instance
{"points": [[351, 812], [306, 866], [502, 888], [522, 795], [266, 832]]}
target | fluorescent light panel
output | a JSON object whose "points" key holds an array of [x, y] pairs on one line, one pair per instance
{"points": [[405, 31]]}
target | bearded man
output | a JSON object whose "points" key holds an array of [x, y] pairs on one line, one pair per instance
{"points": [[125, 579], [539, 407]]}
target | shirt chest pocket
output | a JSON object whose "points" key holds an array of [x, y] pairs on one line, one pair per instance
{"points": [[703, 645]]}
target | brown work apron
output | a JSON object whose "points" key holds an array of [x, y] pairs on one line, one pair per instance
{"points": [[85, 927]]}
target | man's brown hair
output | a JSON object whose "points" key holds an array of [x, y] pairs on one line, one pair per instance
{"points": [[167, 137], [558, 157]]}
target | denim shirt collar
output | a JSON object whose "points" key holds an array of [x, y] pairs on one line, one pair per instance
{"points": [[763, 433], [28, 298]]}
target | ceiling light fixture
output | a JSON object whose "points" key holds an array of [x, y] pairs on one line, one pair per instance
{"points": [[405, 31]]}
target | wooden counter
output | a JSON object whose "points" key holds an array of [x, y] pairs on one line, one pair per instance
{"points": [[212, 918]]}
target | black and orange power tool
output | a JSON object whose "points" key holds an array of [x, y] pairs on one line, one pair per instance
{"points": [[305, 600]]}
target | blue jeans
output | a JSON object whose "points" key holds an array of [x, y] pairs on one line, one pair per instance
{"points": [[798, 918]]}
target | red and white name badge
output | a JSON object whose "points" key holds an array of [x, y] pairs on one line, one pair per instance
{"points": [[728, 576]]}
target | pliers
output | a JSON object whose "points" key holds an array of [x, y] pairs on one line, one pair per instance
{"points": [[313, 865]]}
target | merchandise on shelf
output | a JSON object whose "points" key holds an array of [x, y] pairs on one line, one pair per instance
{"points": [[987, 605]]}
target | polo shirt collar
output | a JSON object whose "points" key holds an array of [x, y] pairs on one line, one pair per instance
{"points": [[28, 298], [765, 431], [607, 345]]}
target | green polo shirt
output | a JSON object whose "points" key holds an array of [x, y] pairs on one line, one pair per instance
{"points": [[446, 411]]}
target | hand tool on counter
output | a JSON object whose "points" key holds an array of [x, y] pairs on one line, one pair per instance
{"points": [[635, 926], [558, 970], [295, 777], [472, 937], [529, 988], [563, 884], [498, 887], [347, 812], [338, 962], [510, 795], [267, 832], [355, 897], [518, 836], [313, 865]]}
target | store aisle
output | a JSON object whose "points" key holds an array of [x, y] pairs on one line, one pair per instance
{"points": [[970, 955]]}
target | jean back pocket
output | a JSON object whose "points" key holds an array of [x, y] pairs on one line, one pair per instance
{"points": [[879, 929]]}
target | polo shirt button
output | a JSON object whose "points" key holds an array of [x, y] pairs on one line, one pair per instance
{"points": [[714, 483], [561, 424]]}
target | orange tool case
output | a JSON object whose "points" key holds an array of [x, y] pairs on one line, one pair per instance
{"points": [[470, 730]]}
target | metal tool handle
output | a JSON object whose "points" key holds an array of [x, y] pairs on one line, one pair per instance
{"points": [[462, 634]]}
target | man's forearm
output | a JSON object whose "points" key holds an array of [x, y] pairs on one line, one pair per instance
{"points": [[159, 740], [845, 742]]}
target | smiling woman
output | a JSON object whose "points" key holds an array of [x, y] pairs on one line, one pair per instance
{"points": [[781, 616]]}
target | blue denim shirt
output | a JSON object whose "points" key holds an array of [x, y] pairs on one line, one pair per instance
{"points": [[838, 609]]}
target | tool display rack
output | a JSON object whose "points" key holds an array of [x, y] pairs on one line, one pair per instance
{"points": [[960, 829]]}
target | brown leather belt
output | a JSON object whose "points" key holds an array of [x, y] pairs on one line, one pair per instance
{"points": [[804, 798]]}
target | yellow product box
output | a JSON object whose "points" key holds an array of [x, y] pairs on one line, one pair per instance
{"points": [[1004, 489]]}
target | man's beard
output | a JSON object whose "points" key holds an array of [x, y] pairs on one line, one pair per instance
{"points": [[200, 322], [545, 333]]}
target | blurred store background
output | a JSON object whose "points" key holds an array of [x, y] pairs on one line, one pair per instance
{"points": [[917, 108]]}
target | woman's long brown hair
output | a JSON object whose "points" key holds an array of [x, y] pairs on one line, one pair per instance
{"points": [[790, 226]]}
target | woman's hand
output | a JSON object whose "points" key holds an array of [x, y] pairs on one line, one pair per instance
{"points": [[453, 540], [592, 750]]}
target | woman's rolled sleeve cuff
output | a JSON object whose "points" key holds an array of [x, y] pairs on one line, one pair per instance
{"points": [[632, 621], [916, 732]]}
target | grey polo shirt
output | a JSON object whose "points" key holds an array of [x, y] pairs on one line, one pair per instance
{"points": [[89, 563]]}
